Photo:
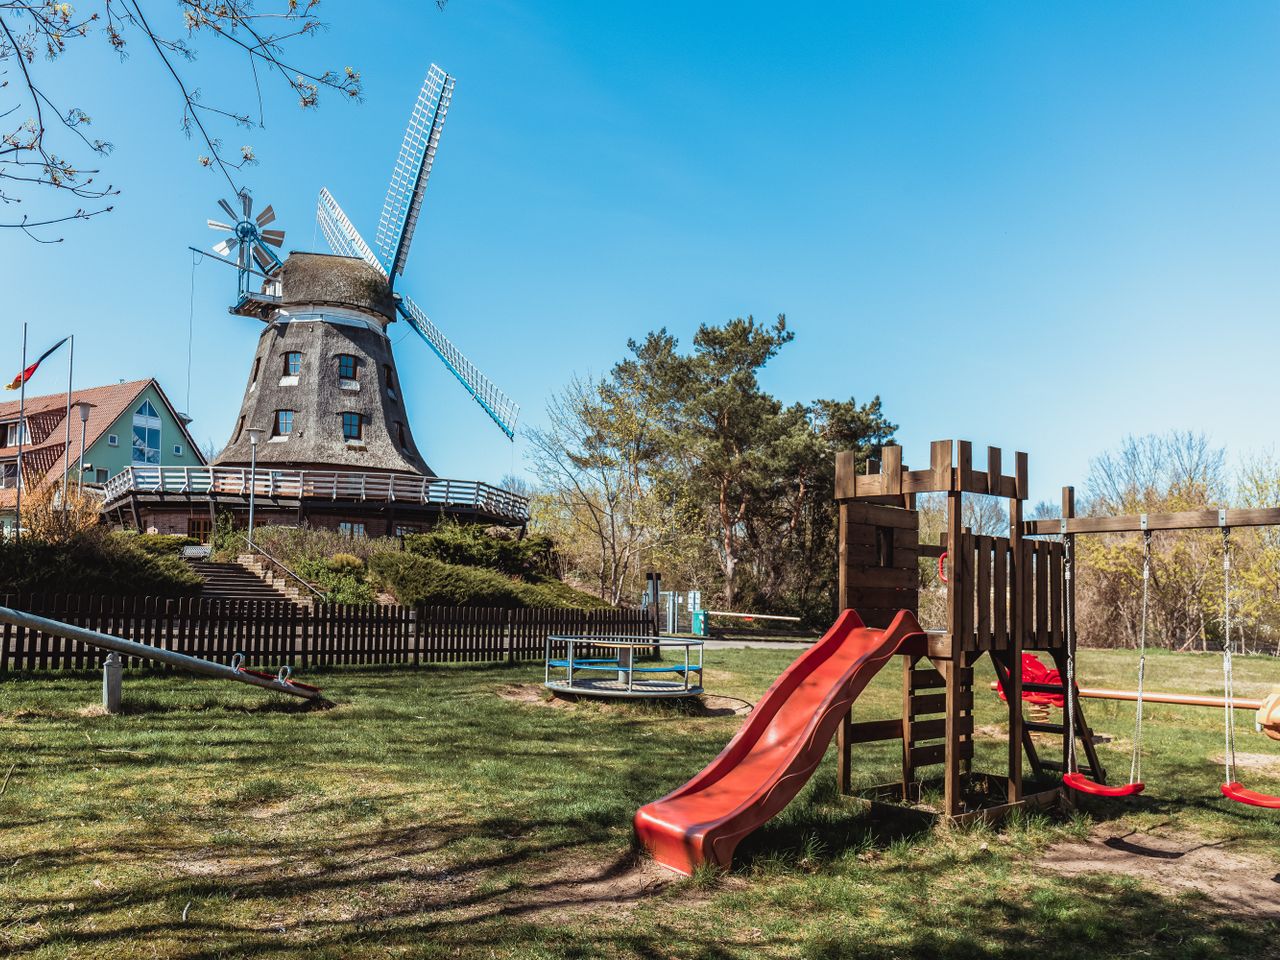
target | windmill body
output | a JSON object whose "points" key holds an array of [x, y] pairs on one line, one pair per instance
{"points": [[323, 386]]}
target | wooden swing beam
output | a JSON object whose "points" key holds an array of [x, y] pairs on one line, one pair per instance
{"points": [[1138, 522]]}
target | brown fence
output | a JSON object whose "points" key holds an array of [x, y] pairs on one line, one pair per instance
{"points": [[271, 633]]}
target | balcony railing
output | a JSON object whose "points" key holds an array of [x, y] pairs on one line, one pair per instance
{"points": [[318, 485]]}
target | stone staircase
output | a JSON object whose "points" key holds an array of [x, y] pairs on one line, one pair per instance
{"points": [[236, 581], [270, 574]]}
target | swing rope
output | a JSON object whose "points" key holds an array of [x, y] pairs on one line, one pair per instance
{"points": [[1232, 789], [1228, 676], [1073, 778], [1135, 763]]}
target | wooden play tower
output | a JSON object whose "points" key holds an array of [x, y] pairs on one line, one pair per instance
{"points": [[1005, 595]]}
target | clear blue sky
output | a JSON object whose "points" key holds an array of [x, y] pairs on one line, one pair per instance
{"points": [[1031, 225]]}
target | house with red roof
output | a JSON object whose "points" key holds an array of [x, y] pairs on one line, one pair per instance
{"points": [[128, 424]]}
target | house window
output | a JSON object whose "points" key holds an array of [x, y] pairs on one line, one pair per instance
{"points": [[100, 475], [9, 433], [146, 434], [346, 366], [8, 475], [113, 440], [348, 529], [292, 363], [177, 449], [284, 423], [352, 426]]}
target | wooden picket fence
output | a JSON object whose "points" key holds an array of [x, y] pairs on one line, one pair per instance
{"points": [[271, 633]]}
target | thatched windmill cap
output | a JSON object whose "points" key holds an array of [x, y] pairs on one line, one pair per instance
{"points": [[327, 280]]}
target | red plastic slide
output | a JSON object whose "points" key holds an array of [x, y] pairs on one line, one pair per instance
{"points": [[776, 751]]}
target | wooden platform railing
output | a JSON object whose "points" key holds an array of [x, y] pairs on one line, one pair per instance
{"points": [[315, 485], [986, 616], [278, 632]]}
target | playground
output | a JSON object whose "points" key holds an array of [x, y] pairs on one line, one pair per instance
{"points": [[426, 814]]}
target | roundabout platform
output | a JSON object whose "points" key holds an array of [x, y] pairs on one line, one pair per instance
{"points": [[635, 668]]}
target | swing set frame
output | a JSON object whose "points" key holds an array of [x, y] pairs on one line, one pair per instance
{"points": [[1004, 596]]}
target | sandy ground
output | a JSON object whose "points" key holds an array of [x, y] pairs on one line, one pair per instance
{"points": [[1177, 863]]}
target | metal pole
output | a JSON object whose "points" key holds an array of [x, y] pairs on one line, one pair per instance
{"points": [[66, 445], [129, 647], [112, 675], [253, 481], [22, 429], [84, 427]]}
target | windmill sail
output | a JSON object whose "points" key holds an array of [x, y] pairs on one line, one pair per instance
{"points": [[497, 404], [345, 240], [413, 167]]}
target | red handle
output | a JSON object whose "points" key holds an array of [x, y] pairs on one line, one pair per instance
{"points": [[942, 567]]}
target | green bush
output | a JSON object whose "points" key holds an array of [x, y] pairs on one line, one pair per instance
{"points": [[346, 563], [415, 579], [95, 564], [472, 546], [159, 544]]}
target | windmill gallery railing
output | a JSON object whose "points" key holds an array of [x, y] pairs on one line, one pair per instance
{"points": [[331, 485]]}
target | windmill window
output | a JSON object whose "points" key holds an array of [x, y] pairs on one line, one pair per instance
{"points": [[239, 430], [253, 379], [389, 376], [400, 435], [346, 366], [352, 426], [146, 434], [292, 363], [284, 423]]}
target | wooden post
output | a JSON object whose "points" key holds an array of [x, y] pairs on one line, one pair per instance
{"points": [[1013, 689], [1069, 511], [955, 628]]}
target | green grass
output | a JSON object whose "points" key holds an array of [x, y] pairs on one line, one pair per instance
{"points": [[425, 816]]}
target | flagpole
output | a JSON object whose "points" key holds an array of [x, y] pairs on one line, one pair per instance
{"points": [[66, 447], [22, 435]]}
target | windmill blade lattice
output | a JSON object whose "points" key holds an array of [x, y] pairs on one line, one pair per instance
{"points": [[413, 167], [345, 240]]}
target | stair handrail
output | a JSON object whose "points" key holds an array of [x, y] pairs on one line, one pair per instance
{"points": [[254, 547]]}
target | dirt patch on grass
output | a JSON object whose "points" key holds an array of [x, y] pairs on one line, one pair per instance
{"points": [[1262, 762], [1176, 863], [594, 888], [707, 705], [531, 694]]}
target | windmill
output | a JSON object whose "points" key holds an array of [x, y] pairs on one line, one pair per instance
{"points": [[248, 240], [395, 230]]}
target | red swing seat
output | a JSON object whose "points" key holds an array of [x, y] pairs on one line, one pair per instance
{"points": [[1078, 781], [1241, 794]]}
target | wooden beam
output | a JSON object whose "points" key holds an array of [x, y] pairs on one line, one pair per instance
{"points": [[940, 464], [1181, 520]]}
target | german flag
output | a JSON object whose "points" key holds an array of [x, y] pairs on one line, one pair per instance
{"points": [[26, 374]]}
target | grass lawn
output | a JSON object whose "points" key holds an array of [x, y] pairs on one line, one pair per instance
{"points": [[427, 816]]}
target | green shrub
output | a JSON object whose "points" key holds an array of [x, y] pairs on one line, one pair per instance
{"points": [[472, 546], [95, 564], [346, 563], [159, 544], [344, 584], [415, 579]]}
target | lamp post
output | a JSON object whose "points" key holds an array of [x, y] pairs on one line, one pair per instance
{"points": [[84, 407], [254, 434]]}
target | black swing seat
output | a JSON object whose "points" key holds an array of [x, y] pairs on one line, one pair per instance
{"points": [[1241, 794], [1078, 781]]}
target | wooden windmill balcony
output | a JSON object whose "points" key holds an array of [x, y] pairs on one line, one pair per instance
{"points": [[287, 488]]}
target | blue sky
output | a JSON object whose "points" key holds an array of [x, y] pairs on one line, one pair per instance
{"points": [[1035, 226]]}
